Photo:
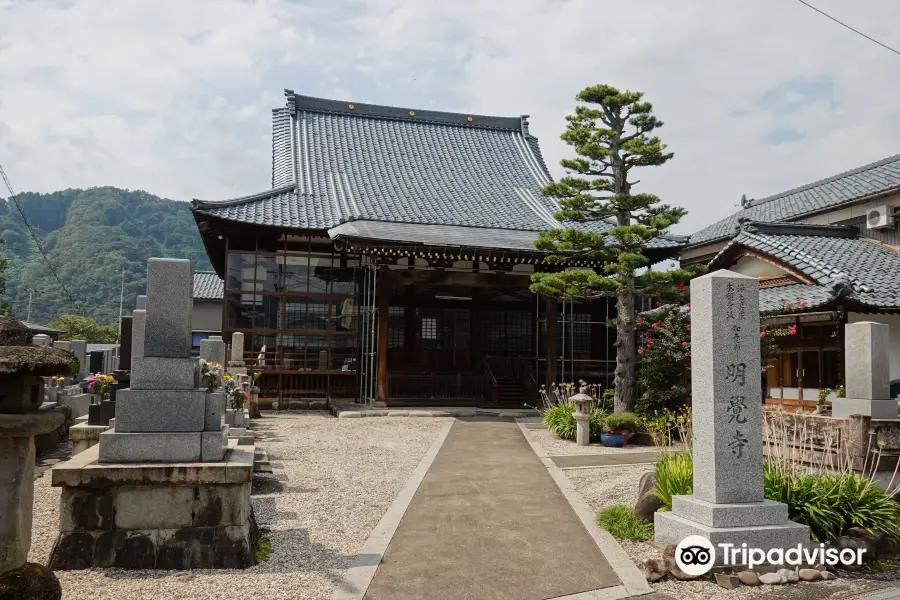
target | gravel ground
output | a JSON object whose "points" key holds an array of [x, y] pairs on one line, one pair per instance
{"points": [[605, 486], [333, 480]]}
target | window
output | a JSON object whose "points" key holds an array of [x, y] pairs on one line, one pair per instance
{"points": [[396, 326], [196, 338], [506, 331], [429, 328]]}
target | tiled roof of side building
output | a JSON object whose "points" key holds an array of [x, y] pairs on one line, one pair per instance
{"points": [[869, 180], [208, 286], [837, 261]]}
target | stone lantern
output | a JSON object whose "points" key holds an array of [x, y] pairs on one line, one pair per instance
{"points": [[22, 366], [584, 404]]}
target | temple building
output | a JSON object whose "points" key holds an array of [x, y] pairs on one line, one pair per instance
{"points": [[826, 254], [391, 259]]}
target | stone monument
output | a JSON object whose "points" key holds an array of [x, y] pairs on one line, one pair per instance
{"points": [[237, 366], [22, 368], [162, 489], [727, 505], [212, 349], [867, 354]]}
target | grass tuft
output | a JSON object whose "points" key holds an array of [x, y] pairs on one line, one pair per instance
{"points": [[620, 521], [263, 549]]}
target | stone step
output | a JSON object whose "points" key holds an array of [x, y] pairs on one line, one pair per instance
{"points": [[261, 462]]}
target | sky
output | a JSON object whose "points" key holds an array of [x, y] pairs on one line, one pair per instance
{"points": [[175, 96]]}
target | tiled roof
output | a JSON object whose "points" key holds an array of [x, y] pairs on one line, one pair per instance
{"points": [[394, 164], [862, 182], [208, 286], [835, 259], [453, 235], [376, 164]]}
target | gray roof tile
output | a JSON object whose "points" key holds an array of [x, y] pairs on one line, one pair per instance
{"points": [[836, 259], [208, 286], [874, 178], [372, 163]]}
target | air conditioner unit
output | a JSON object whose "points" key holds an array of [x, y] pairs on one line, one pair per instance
{"points": [[880, 217]]}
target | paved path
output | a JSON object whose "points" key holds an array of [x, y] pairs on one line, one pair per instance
{"points": [[489, 523]]}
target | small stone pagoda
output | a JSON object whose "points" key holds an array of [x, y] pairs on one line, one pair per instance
{"points": [[22, 366]]}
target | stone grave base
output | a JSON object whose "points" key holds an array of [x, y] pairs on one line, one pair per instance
{"points": [[84, 436], [173, 516], [842, 408], [763, 525]]}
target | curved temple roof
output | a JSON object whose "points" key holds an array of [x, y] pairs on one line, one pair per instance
{"points": [[335, 163]]}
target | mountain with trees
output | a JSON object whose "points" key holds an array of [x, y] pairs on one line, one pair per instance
{"points": [[89, 235]]}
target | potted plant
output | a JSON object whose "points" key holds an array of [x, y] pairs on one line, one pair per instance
{"points": [[618, 427]]}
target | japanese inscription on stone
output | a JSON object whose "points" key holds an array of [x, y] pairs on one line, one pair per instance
{"points": [[736, 373]]}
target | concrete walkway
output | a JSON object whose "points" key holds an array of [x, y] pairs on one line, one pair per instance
{"points": [[488, 522]]}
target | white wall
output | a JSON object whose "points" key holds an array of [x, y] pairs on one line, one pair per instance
{"points": [[207, 315], [893, 321], [753, 267], [849, 212]]}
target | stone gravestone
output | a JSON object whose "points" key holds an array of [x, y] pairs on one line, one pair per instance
{"points": [[125, 345], [138, 321], [212, 349], [867, 353], [164, 416], [727, 505], [236, 365], [79, 349], [43, 340]]}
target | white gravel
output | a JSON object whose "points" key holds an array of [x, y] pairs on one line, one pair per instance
{"points": [[606, 486], [338, 475]]}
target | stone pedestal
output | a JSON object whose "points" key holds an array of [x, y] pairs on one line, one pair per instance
{"points": [[84, 436], [165, 516], [161, 489], [727, 505], [17, 456], [867, 356]]}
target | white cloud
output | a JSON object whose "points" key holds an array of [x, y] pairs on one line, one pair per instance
{"points": [[174, 97]]}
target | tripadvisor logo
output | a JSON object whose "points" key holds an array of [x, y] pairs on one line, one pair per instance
{"points": [[696, 555]]}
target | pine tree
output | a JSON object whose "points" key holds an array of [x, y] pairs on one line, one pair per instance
{"points": [[611, 132]]}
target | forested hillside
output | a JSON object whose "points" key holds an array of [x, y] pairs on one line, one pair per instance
{"points": [[88, 236]]}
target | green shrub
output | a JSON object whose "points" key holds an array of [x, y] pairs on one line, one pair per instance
{"points": [[560, 419], [828, 503], [619, 520], [619, 421], [674, 477]]}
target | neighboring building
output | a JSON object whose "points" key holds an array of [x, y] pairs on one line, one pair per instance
{"points": [[206, 319], [35, 329], [391, 261], [829, 252]]}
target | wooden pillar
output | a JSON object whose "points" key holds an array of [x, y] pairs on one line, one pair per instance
{"points": [[409, 326], [551, 341], [384, 302], [475, 349]]}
